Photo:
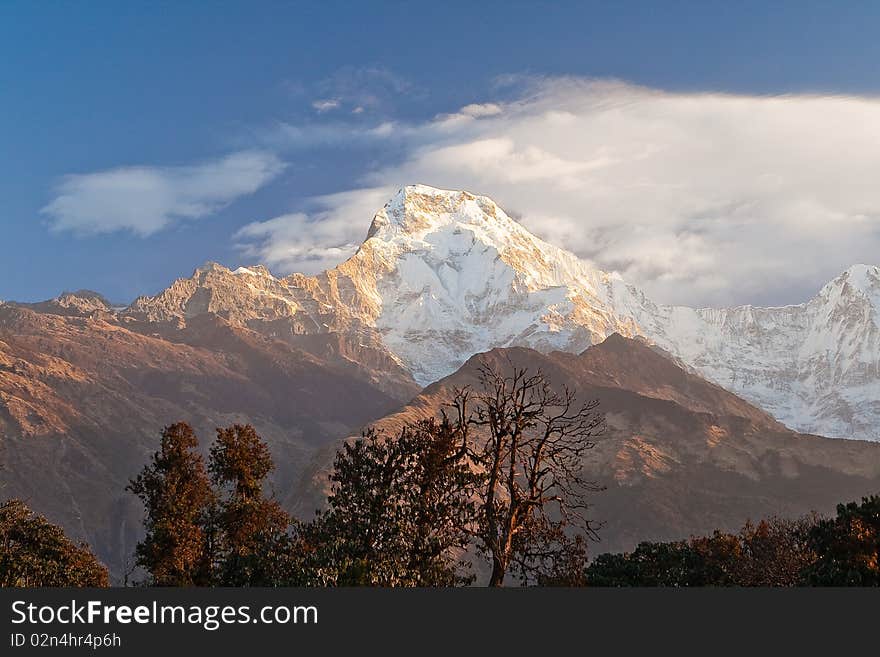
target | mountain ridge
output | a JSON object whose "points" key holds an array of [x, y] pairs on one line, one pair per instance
{"points": [[444, 274]]}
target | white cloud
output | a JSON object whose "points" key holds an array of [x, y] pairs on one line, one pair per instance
{"points": [[701, 198], [478, 110], [145, 200], [469, 113], [315, 241], [325, 105]]}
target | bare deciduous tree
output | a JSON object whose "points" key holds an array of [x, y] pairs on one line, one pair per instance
{"points": [[529, 448]]}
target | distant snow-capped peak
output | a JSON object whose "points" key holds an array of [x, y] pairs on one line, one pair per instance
{"points": [[860, 284]]}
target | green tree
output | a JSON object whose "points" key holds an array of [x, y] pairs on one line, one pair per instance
{"points": [[34, 552], [847, 546], [177, 497], [774, 552], [650, 564], [549, 555], [398, 511], [251, 530]]}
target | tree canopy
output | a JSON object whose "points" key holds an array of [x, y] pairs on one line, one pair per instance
{"points": [[34, 552]]}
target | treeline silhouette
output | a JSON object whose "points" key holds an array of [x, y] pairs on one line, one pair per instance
{"points": [[496, 479], [810, 551]]}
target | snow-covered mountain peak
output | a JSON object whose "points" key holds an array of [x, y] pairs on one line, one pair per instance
{"points": [[426, 218], [418, 209], [446, 274], [852, 298], [861, 279], [457, 226]]}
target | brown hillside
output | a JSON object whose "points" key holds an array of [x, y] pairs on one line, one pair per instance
{"points": [[681, 455], [82, 402]]}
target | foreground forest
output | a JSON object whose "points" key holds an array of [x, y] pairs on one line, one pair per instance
{"points": [[492, 492]]}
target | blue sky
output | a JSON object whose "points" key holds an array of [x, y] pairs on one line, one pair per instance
{"points": [[231, 114]]}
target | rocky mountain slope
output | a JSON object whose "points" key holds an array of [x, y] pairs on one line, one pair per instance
{"points": [[681, 455], [83, 399]]}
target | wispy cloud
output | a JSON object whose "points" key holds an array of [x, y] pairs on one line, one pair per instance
{"points": [[325, 105], [316, 240], [292, 136], [357, 90], [701, 198], [144, 200], [477, 110]]}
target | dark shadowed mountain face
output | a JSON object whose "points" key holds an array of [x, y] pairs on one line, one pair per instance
{"points": [[83, 398], [681, 456]]}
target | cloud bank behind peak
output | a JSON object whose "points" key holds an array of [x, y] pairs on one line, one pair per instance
{"points": [[700, 198]]}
